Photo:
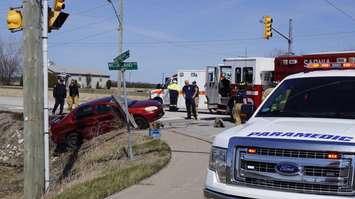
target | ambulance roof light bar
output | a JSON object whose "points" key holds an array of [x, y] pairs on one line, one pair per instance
{"points": [[325, 66]]}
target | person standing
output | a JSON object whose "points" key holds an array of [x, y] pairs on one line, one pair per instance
{"points": [[224, 86], [59, 94], [188, 92], [240, 99], [73, 98], [196, 96], [174, 95]]}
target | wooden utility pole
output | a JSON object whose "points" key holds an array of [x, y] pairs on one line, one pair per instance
{"points": [[33, 100]]}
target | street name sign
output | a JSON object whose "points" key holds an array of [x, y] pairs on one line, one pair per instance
{"points": [[123, 56]]}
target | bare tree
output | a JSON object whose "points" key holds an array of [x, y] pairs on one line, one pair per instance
{"points": [[10, 62]]}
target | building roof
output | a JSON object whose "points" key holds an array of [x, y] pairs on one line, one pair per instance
{"points": [[75, 70]]}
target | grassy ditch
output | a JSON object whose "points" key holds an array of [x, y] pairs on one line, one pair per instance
{"points": [[102, 173]]}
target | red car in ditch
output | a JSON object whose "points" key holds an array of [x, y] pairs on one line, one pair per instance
{"points": [[101, 116]]}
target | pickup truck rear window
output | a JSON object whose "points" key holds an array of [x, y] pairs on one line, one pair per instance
{"points": [[317, 97]]}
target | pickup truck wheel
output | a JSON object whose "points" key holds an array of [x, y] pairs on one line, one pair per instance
{"points": [[73, 140], [141, 122]]}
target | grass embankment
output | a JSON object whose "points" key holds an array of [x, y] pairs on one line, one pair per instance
{"points": [[105, 172]]}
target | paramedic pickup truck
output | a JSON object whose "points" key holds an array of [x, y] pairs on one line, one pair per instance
{"points": [[298, 144]]}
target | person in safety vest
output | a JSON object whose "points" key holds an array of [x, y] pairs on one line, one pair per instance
{"points": [[174, 89], [240, 99]]}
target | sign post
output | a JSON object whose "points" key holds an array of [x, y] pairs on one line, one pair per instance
{"points": [[119, 64]]}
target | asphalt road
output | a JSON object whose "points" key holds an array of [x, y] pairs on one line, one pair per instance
{"points": [[184, 175]]}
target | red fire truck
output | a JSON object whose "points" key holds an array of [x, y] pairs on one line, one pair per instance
{"points": [[287, 65]]}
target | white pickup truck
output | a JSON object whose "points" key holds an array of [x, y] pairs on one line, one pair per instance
{"points": [[299, 144]]}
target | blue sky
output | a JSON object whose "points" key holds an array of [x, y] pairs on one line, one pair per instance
{"points": [[166, 35]]}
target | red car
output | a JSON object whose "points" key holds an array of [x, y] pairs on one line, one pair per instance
{"points": [[100, 116]]}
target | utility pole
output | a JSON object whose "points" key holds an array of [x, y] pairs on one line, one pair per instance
{"points": [[290, 37], [120, 43], [33, 100], [45, 90], [122, 76], [267, 21]]}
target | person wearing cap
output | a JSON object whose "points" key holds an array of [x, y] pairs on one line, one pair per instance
{"points": [[196, 96], [240, 99], [59, 94], [173, 89], [188, 92]]}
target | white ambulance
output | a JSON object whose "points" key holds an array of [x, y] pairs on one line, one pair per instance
{"points": [[257, 72], [162, 94], [298, 144]]}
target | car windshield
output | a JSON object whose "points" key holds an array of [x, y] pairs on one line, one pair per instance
{"points": [[130, 102], [317, 97]]}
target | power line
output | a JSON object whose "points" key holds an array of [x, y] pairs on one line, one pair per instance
{"points": [[89, 9], [83, 26], [340, 10], [83, 38]]}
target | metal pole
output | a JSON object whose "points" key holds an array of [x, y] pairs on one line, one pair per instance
{"points": [[33, 100], [120, 42], [45, 89], [290, 38], [130, 152]]}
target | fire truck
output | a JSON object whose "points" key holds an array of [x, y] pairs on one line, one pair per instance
{"points": [[287, 65], [257, 72]]}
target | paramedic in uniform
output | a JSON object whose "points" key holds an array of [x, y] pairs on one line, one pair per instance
{"points": [[188, 92], [174, 95], [240, 99]]}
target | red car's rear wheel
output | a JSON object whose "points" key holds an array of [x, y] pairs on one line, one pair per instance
{"points": [[73, 140]]}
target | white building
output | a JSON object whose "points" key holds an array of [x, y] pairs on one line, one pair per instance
{"points": [[86, 78]]}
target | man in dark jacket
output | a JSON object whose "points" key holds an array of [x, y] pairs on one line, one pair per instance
{"points": [[59, 94], [224, 86], [73, 98], [188, 92]]}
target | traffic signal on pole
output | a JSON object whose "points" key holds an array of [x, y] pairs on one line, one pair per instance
{"points": [[56, 18], [59, 5], [14, 20], [267, 27]]}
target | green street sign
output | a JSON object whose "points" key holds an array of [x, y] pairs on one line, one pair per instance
{"points": [[122, 57], [113, 66], [130, 66], [124, 65]]}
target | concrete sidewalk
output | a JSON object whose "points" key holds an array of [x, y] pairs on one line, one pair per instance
{"points": [[182, 178]]}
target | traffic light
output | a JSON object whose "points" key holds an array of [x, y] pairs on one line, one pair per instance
{"points": [[268, 27], [14, 20], [59, 5], [56, 18]]}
